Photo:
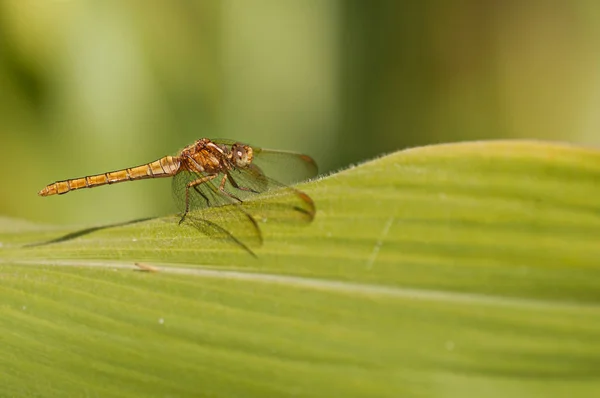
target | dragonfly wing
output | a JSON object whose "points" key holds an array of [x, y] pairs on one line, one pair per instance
{"points": [[283, 203], [199, 196], [225, 220], [285, 167]]}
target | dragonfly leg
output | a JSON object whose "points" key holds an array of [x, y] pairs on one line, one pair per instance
{"points": [[193, 184], [222, 184], [235, 185], [223, 191]]}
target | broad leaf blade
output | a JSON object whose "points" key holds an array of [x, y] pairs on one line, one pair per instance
{"points": [[467, 269]]}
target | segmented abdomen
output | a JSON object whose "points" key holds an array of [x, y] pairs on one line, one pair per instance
{"points": [[163, 167]]}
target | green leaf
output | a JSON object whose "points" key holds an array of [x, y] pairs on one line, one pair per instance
{"points": [[453, 270]]}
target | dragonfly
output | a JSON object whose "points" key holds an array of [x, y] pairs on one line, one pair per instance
{"points": [[227, 176]]}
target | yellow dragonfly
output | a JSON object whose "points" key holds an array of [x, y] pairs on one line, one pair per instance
{"points": [[222, 174]]}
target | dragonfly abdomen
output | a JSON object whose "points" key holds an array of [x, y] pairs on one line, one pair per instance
{"points": [[164, 167]]}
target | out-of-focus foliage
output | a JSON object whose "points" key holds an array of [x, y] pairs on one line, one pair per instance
{"points": [[87, 87]]}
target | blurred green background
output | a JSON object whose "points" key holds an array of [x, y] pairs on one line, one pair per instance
{"points": [[94, 86]]}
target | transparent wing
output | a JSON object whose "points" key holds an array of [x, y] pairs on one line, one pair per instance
{"points": [[233, 196], [227, 220], [285, 167], [282, 166], [283, 203]]}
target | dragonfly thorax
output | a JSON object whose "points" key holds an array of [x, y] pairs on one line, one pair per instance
{"points": [[209, 157]]}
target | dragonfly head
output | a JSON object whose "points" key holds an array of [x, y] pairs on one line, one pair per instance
{"points": [[241, 154]]}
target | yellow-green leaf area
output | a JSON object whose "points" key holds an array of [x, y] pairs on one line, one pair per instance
{"points": [[451, 270]]}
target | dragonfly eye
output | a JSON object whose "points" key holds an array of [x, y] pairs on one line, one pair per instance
{"points": [[242, 155]]}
